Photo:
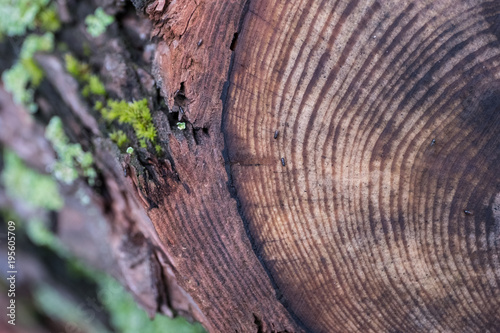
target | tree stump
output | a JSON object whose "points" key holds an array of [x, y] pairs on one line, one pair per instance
{"points": [[361, 142], [339, 170]]}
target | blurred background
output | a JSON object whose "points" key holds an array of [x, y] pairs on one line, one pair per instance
{"points": [[66, 276]]}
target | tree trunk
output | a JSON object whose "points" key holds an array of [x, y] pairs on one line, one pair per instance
{"points": [[339, 172]]}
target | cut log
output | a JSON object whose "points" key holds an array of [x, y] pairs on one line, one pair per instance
{"points": [[338, 171], [377, 207]]}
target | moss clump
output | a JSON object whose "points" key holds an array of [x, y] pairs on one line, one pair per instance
{"points": [[17, 17], [136, 114], [77, 69], [17, 80], [94, 87], [181, 125], [20, 16], [25, 76], [97, 23], [48, 20], [98, 106], [35, 73], [81, 72], [72, 160], [119, 137], [24, 183], [36, 43]]}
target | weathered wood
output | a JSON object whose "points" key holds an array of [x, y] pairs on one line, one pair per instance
{"points": [[385, 215], [195, 212], [339, 170]]}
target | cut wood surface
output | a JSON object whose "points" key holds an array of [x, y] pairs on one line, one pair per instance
{"points": [[338, 169], [386, 215], [377, 206]]}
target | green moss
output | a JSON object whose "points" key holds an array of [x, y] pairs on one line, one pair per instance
{"points": [[81, 72], [98, 106], [37, 43], [26, 75], [16, 82], [119, 137], [95, 86], [36, 73], [56, 305], [20, 16], [72, 160], [86, 91], [127, 317], [97, 23], [181, 125], [48, 20], [77, 69], [136, 114], [24, 183]]}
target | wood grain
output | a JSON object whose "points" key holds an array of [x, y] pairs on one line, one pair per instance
{"points": [[187, 195], [386, 215]]}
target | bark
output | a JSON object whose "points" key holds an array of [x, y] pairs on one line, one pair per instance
{"points": [[340, 169]]}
